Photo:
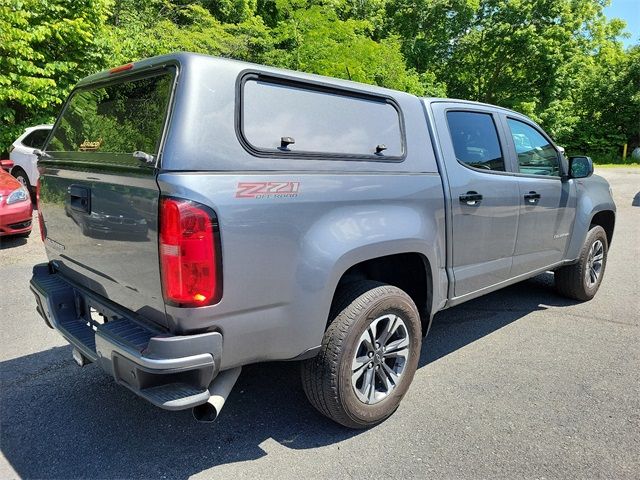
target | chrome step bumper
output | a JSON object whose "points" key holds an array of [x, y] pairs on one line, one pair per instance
{"points": [[170, 371]]}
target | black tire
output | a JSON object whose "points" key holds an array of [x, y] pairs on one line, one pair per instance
{"points": [[22, 177], [327, 378], [572, 281]]}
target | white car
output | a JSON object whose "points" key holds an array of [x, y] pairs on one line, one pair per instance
{"points": [[25, 167]]}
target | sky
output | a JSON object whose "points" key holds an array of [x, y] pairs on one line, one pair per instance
{"points": [[629, 11]]}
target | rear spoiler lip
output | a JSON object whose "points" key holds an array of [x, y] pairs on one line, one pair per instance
{"points": [[174, 59]]}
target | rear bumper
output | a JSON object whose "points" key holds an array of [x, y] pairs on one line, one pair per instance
{"points": [[172, 372]]}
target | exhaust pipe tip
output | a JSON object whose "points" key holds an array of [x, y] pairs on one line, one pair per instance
{"points": [[205, 413], [218, 392], [79, 358]]}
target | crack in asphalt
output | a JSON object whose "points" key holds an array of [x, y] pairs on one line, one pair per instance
{"points": [[28, 377]]}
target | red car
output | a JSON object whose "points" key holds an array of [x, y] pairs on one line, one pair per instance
{"points": [[16, 210]]}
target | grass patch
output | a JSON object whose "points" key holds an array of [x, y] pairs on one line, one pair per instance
{"points": [[616, 165]]}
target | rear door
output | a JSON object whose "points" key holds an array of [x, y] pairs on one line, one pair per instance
{"points": [[99, 202], [484, 196], [547, 205]]}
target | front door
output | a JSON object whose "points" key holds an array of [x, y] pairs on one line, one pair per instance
{"points": [[484, 198], [547, 205]]}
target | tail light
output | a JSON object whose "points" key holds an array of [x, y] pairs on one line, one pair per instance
{"points": [[43, 233], [190, 259]]}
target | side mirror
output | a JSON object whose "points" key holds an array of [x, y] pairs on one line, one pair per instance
{"points": [[580, 167], [6, 164]]}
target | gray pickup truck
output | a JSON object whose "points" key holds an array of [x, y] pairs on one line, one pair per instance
{"points": [[201, 214]]}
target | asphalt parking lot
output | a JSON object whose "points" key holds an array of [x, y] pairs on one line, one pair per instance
{"points": [[521, 383]]}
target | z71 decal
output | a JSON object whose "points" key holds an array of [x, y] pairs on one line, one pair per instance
{"points": [[267, 189]]}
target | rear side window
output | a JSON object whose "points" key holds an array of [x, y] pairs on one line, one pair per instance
{"points": [[36, 138], [115, 119], [319, 121], [536, 155], [475, 140]]}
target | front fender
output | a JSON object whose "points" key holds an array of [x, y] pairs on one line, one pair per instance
{"points": [[593, 196]]}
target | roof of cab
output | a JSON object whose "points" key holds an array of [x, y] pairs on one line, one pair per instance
{"points": [[430, 100], [41, 126]]}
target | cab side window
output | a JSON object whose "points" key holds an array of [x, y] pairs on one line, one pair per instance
{"points": [[536, 155], [475, 140]]}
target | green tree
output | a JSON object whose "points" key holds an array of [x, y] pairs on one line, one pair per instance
{"points": [[430, 29], [559, 61], [45, 47], [607, 108], [316, 40], [231, 11], [164, 26]]}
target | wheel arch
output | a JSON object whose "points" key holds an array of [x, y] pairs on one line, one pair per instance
{"points": [[587, 215], [410, 271], [607, 220], [19, 169], [361, 239]]}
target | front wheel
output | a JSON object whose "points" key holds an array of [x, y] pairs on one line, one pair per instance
{"points": [[369, 355], [581, 280]]}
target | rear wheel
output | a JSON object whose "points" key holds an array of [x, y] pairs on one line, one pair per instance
{"points": [[581, 280], [369, 355]]}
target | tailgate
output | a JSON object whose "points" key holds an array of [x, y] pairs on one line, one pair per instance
{"points": [[99, 201]]}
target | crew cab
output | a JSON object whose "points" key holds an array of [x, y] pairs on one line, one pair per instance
{"points": [[201, 214]]}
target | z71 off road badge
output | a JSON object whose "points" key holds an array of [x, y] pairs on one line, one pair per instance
{"points": [[267, 189]]}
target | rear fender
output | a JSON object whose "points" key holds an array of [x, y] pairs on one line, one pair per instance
{"points": [[283, 256], [347, 237]]}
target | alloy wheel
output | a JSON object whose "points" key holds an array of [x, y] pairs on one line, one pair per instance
{"points": [[380, 358], [595, 261]]}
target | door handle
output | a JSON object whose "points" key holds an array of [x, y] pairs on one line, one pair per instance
{"points": [[471, 198], [79, 198], [532, 197]]}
